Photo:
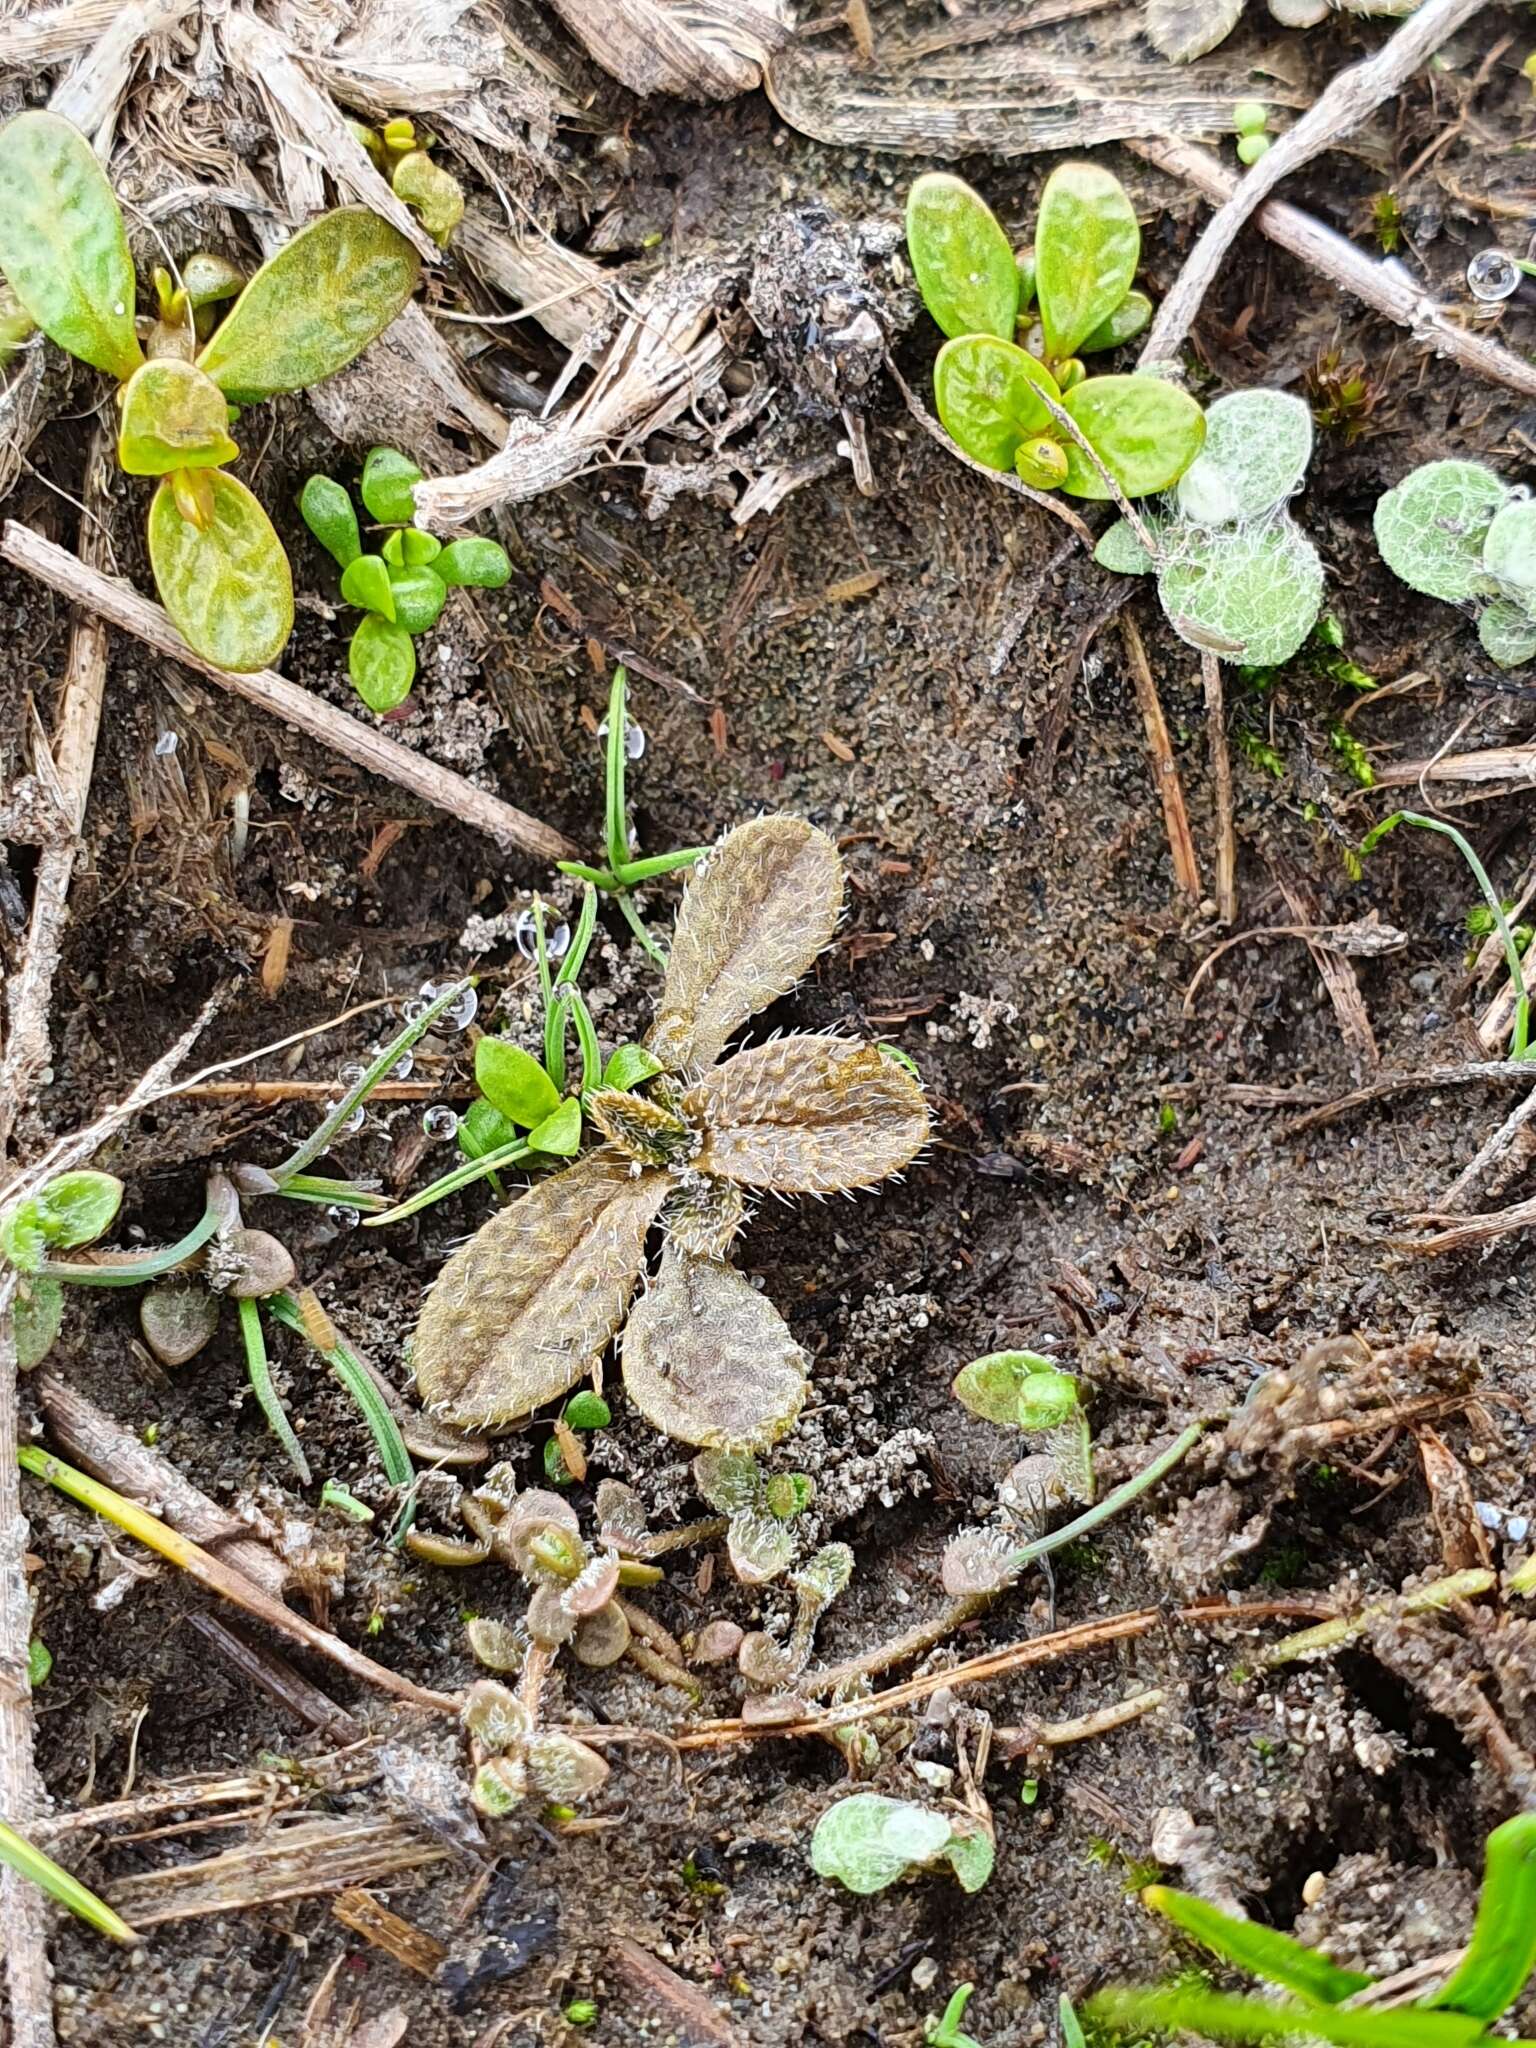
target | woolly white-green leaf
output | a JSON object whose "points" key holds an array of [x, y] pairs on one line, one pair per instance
{"points": [[1120, 550], [1205, 495], [1508, 633], [1509, 551], [868, 1841], [1261, 441], [1431, 528], [1251, 594]]}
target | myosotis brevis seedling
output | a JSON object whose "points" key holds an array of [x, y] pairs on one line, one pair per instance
{"points": [[1520, 1034], [219, 566], [1010, 384], [180, 1311], [1325, 2002], [868, 1841], [624, 872], [1456, 531], [528, 1307], [1236, 576], [403, 587]]}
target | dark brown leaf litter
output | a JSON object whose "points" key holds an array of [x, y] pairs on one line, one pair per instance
{"points": [[1036, 937]]}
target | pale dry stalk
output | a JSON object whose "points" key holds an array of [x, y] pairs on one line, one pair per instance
{"points": [[1165, 772]]}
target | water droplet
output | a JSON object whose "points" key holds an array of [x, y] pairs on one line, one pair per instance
{"points": [[351, 1073], [165, 746], [460, 1013], [1491, 276], [557, 938], [634, 738], [343, 1217], [429, 991], [440, 1121], [353, 1123], [413, 1009], [401, 1070]]}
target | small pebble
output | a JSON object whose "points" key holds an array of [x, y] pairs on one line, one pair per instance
{"points": [[1314, 1888]]}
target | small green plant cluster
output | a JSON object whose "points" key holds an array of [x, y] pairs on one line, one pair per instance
{"points": [[869, 1841], [1457, 531], [72, 1210], [308, 311], [1009, 383], [1250, 119], [1235, 573], [1325, 2001], [1023, 1391], [401, 589], [405, 159]]}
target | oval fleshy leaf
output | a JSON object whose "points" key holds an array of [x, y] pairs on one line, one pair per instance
{"points": [[365, 582], [759, 1547], [381, 660], [75, 1208], [988, 395], [1507, 632], [387, 482], [808, 1115], [1087, 246], [1432, 526], [979, 1562], [1133, 313], [514, 1082], [964, 264], [327, 511], [708, 1360], [473, 562], [63, 247], [36, 1319], [177, 1321], [989, 1386], [419, 594], [313, 306], [526, 1308], [1047, 1397], [436, 194], [559, 1133], [760, 907], [1253, 593], [173, 418], [601, 1638], [226, 586], [1509, 551], [1146, 432], [1262, 442]]}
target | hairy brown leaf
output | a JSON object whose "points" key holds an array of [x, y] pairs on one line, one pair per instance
{"points": [[523, 1310], [758, 910], [709, 1360], [704, 1215], [808, 1115], [641, 1129]]}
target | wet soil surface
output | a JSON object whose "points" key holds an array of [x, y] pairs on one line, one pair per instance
{"points": [[931, 677]]}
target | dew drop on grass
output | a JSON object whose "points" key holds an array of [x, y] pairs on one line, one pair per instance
{"points": [[351, 1073], [557, 939], [634, 738], [343, 1217], [460, 1013], [353, 1123], [401, 1070], [414, 1008], [440, 1121], [1491, 276]]}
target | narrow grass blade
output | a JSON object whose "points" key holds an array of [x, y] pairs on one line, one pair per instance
{"points": [[1261, 1951], [1179, 2008], [266, 1393], [460, 1177], [51, 1877], [1501, 1956]]}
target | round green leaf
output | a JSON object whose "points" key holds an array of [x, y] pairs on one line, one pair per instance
{"points": [[326, 510], [420, 595], [366, 583], [1087, 246], [437, 196], [1509, 551], [867, 1841], [381, 661], [386, 487], [1432, 526], [207, 278], [587, 1411], [965, 268], [63, 247], [226, 586], [473, 560], [560, 1132], [989, 1386], [1146, 433], [417, 548], [629, 1065], [22, 1239], [36, 1321], [1253, 593], [1133, 313], [483, 1128], [1047, 1398], [173, 418], [77, 1207], [1508, 633], [1120, 550], [514, 1082], [313, 306], [988, 395], [1261, 441]]}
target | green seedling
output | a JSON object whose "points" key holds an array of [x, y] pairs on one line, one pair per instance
{"points": [[869, 1842], [527, 1308], [581, 2012], [39, 1663], [308, 311], [1519, 1046], [625, 873], [1323, 2002], [1456, 531], [1009, 382], [20, 1855], [1250, 118], [404, 158], [1235, 574], [759, 1539], [71, 1210], [402, 589], [946, 2031]]}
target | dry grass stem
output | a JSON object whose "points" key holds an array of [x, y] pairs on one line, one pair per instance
{"points": [[1165, 772], [1221, 783]]}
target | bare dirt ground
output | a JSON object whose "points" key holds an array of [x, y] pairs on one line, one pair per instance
{"points": [[1111, 1179]]}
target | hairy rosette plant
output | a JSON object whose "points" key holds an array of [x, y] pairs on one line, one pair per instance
{"points": [[1235, 573], [1009, 383], [530, 1304], [1457, 531], [219, 565]]}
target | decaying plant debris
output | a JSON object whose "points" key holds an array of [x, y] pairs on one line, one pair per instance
{"points": [[661, 1648]]}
